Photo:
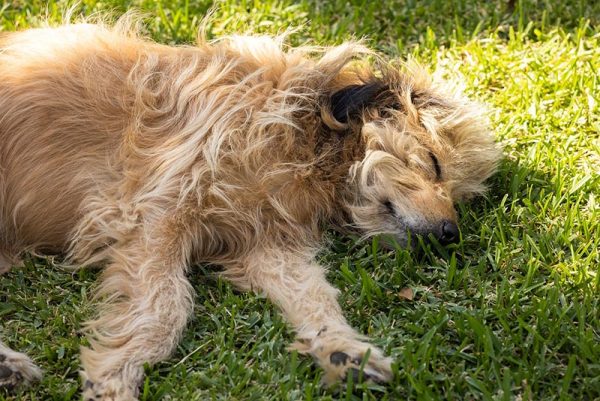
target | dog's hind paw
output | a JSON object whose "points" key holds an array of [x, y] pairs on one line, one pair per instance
{"points": [[17, 369]]}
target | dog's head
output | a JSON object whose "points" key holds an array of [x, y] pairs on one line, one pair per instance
{"points": [[425, 148]]}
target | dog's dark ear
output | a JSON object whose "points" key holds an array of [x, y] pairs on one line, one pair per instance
{"points": [[351, 100]]}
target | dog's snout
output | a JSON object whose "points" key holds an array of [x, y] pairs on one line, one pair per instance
{"points": [[449, 233]]}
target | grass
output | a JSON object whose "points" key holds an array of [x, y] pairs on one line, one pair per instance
{"points": [[511, 313]]}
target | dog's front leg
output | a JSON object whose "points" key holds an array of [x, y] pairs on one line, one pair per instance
{"points": [[147, 300], [298, 286]]}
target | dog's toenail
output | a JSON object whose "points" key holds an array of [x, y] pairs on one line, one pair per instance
{"points": [[356, 375], [18, 376], [2, 357], [338, 358], [5, 372], [323, 330], [88, 384]]}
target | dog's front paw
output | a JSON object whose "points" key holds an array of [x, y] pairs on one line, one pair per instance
{"points": [[111, 389], [340, 355], [17, 369]]}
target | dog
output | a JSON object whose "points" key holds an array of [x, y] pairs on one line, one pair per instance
{"points": [[147, 159]]}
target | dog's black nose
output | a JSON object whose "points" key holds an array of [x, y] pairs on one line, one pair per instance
{"points": [[450, 234]]}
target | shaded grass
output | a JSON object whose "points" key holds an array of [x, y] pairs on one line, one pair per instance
{"points": [[510, 313]]}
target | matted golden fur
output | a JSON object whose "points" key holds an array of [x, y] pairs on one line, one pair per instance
{"points": [[147, 159]]}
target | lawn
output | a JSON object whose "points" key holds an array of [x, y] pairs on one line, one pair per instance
{"points": [[510, 313]]}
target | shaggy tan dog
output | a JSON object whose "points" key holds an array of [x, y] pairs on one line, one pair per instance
{"points": [[148, 159]]}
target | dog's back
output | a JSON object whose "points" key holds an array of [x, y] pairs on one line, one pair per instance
{"points": [[88, 112], [61, 110]]}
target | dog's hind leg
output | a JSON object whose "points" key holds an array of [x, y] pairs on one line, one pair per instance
{"points": [[147, 303], [16, 368], [298, 286]]}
